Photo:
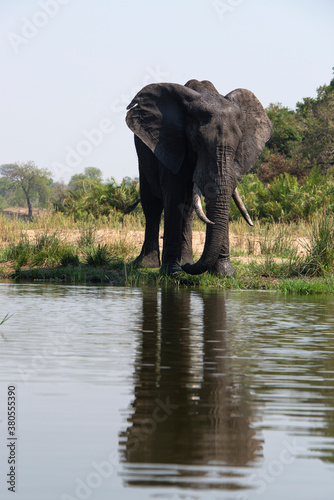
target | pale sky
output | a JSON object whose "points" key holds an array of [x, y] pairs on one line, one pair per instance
{"points": [[70, 67]]}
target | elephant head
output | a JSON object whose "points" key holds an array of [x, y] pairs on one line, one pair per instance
{"points": [[217, 138]]}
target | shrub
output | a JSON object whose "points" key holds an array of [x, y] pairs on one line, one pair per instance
{"points": [[47, 249], [98, 256], [99, 199], [18, 253], [286, 199], [69, 258], [320, 251]]}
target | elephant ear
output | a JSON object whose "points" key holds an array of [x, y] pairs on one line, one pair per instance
{"points": [[255, 126], [157, 115]]}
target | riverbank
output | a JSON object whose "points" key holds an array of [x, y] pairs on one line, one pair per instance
{"points": [[248, 278], [280, 257]]}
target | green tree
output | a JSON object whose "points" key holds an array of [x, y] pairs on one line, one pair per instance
{"points": [[301, 139], [274, 164], [317, 119], [286, 129], [324, 93], [316, 116], [91, 176], [5, 192], [94, 174], [29, 179]]}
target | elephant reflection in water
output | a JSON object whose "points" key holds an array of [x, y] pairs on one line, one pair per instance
{"points": [[189, 407]]}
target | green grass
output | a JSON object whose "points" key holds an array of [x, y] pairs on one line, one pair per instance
{"points": [[118, 273], [69, 258], [45, 250], [306, 286], [18, 253], [84, 259], [5, 318], [98, 256], [124, 274]]}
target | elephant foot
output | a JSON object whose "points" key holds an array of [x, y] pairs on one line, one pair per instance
{"points": [[150, 260], [223, 267], [171, 268], [187, 259]]}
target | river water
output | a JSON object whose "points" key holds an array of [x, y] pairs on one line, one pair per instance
{"points": [[149, 393]]}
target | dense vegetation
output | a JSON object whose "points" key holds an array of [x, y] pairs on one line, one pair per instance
{"points": [[294, 178]]}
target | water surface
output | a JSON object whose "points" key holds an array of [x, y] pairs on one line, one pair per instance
{"points": [[166, 393]]}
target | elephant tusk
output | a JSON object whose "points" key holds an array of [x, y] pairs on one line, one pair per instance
{"points": [[198, 205], [240, 204]]}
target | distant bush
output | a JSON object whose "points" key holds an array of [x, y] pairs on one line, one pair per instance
{"points": [[99, 199], [286, 199]]}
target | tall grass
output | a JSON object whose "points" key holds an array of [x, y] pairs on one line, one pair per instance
{"points": [[45, 250], [80, 243], [44, 241], [316, 261], [11, 230], [98, 256], [319, 259], [281, 240], [87, 235], [17, 253]]}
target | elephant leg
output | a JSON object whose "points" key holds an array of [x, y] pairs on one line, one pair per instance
{"points": [[178, 219], [151, 201], [223, 266], [187, 247], [177, 249], [172, 246], [152, 208], [177, 222]]}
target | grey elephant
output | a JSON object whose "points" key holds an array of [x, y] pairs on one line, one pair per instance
{"points": [[191, 140]]}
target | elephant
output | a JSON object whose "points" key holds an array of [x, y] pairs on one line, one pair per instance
{"points": [[193, 141]]}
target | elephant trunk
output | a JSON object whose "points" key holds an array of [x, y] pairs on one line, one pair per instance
{"points": [[216, 236]]}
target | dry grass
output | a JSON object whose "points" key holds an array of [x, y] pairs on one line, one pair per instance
{"points": [[280, 240], [293, 258]]}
